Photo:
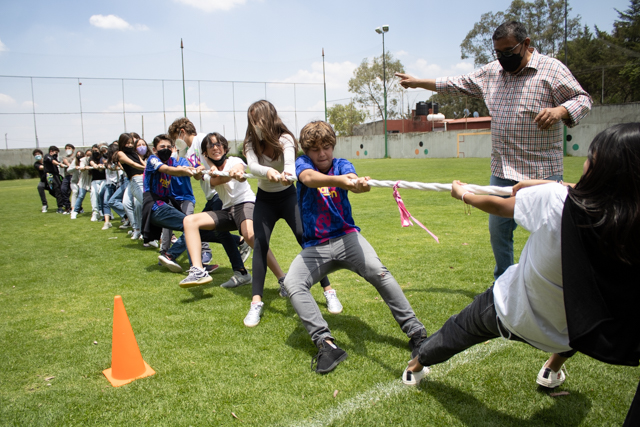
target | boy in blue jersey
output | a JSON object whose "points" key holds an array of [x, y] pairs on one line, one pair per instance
{"points": [[332, 241], [159, 205]]}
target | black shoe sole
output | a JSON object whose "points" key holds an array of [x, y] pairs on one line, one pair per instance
{"points": [[333, 365]]}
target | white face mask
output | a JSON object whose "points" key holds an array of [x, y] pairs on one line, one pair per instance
{"points": [[258, 132], [181, 144], [69, 152], [174, 154]]}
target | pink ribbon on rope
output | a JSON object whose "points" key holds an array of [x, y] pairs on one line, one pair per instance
{"points": [[405, 216]]}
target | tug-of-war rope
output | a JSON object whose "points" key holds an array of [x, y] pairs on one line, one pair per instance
{"points": [[405, 216]]}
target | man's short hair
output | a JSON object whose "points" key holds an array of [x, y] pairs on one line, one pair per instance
{"points": [[54, 148], [37, 150], [513, 29], [161, 137], [73, 147], [315, 134], [181, 123]]}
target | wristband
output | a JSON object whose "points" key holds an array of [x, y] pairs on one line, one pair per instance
{"points": [[462, 198]]}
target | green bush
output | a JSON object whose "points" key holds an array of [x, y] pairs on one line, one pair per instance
{"points": [[18, 172]]}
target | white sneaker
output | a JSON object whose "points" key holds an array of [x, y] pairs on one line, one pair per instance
{"points": [[74, 215], [44, 209], [106, 226], [153, 243], [549, 378], [124, 224], [253, 317], [238, 279], [414, 378], [333, 303], [94, 217], [135, 235]]}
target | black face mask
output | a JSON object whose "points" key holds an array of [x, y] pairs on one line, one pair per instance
{"points": [[511, 63], [164, 154], [129, 150], [95, 155], [220, 162]]}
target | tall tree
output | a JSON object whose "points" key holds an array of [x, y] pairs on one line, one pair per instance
{"points": [[608, 65], [345, 117], [544, 20], [367, 85]]}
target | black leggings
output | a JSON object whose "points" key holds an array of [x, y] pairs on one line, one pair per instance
{"points": [[269, 208]]}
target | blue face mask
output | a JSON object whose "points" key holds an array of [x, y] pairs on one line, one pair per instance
{"points": [[38, 157]]}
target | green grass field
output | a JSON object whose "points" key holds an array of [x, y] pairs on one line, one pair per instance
{"points": [[59, 277]]}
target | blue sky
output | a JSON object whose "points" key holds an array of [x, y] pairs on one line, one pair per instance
{"points": [[225, 40]]}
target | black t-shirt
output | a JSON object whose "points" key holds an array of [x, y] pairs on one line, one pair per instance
{"points": [[130, 170], [49, 167], [98, 174], [43, 174]]}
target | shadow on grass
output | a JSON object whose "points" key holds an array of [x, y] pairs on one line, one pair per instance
{"points": [[469, 294], [568, 410], [360, 335], [219, 276]]}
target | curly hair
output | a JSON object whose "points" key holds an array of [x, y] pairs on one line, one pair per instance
{"points": [[315, 134]]}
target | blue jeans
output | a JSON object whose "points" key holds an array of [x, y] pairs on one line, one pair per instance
{"points": [[81, 193], [108, 191], [501, 231], [353, 252], [115, 202]]}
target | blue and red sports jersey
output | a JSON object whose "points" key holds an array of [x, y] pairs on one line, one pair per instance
{"points": [[325, 211], [155, 181]]}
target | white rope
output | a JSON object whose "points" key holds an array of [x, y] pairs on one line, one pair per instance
{"points": [[476, 189]]}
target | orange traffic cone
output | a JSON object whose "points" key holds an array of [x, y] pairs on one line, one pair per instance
{"points": [[126, 361]]}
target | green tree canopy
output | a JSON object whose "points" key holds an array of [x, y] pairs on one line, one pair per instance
{"points": [[367, 85], [608, 65], [345, 117]]}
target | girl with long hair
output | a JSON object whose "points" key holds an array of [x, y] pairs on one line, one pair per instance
{"points": [[270, 149]]}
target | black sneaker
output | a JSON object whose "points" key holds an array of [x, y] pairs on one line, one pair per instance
{"points": [[60, 211], [416, 340], [328, 357]]}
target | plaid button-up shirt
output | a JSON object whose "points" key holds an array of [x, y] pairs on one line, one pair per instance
{"points": [[519, 150]]}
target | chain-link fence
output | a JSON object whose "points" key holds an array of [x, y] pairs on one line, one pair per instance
{"points": [[43, 111]]}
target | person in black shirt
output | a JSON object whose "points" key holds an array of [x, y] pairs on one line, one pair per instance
{"points": [[42, 185], [51, 164]]}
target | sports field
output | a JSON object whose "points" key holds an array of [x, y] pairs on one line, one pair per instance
{"points": [[58, 279]]}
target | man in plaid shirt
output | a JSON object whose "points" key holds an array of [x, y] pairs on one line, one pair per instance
{"points": [[528, 94]]}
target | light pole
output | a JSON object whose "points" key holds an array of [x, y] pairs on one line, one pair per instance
{"points": [[382, 30]]}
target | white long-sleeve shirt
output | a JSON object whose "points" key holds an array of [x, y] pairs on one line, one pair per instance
{"points": [[260, 166]]}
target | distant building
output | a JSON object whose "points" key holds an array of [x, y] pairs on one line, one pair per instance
{"points": [[419, 123]]}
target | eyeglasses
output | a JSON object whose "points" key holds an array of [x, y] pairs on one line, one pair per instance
{"points": [[216, 145], [507, 54]]}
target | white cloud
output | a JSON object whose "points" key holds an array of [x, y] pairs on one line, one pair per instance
{"points": [[6, 99], [212, 5], [113, 22], [401, 53], [3, 47], [422, 68], [337, 75], [129, 108], [29, 104]]}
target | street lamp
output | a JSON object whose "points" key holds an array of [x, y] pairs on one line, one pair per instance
{"points": [[382, 30]]}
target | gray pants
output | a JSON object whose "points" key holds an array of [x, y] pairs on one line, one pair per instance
{"points": [[354, 253]]}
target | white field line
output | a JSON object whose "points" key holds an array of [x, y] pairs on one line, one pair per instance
{"points": [[383, 391]]}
